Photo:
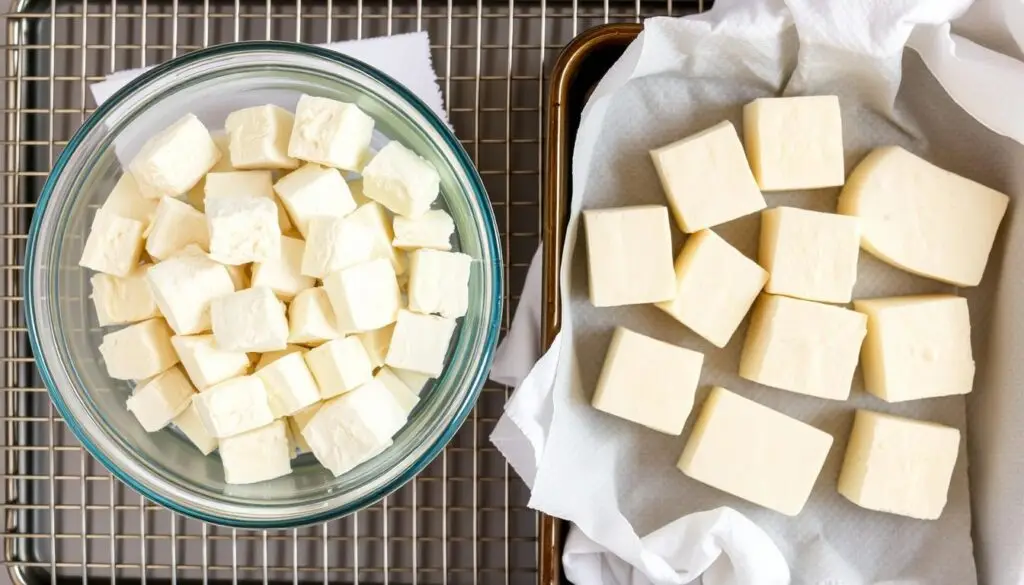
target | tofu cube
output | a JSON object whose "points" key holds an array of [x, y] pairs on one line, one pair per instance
{"points": [[311, 319], [172, 161], [439, 282], [234, 406], [290, 385], [917, 347], [123, 299], [197, 194], [420, 343], [269, 444], [249, 320], [365, 296], [314, 191], [206, 363], [405, 397], [339, 366], [648, 381], [923, 219], [332, 133], [804, 347], [270, 357], [190, 425], [377, 343], [243, 229], [706, 178], [795, 142], [183, 287], [252, 183], [162, 398], [415, 381], [899, 465], [401, 180], [259, 137], [176, 225], [125, 200], [715, 287], [629, 255], [354, 427], [138, 351], [755, 453], [433, 229], [333, 244], [378, 222], [283, 274], [810, 255], [114, 244]]}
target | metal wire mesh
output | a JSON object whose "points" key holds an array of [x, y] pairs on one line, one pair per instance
{"points": [[464, 519]]}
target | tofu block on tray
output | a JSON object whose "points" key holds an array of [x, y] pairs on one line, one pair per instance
{"points": [[629, 255]]}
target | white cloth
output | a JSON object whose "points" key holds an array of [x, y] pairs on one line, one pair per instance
{"points": [[855, 48]]}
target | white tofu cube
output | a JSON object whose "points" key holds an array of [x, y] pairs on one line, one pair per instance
{"points": [[314, 191], [253, 183], [290, 385], [190, 425], [401, 180], [243, 229], [114, 244], [804, 347], [648, 381], [634, 274], [706, 178], [172, 161], [923, 219], [415, 381], [311, 319], [439, 282], [234, 406], [270, 445], [183, 287], [259, 137], [339, 366], [809, 255], [138, 351], [433, 229], [405, 397], [377, 343], [283, 275], [197, 194], [176, 225], [365, 296], [899, 465], [249, 320], [331, 133], [206, 363], [157, 402], [795, 142], [354, 427], [378, 221], [270, 357], [715, 287], [335, 243], [917, 347], [123, 299], [420, 343], [125, 200], [755, 453]]}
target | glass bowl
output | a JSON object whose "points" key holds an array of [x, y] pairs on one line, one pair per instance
{"points": [[65, 337]]}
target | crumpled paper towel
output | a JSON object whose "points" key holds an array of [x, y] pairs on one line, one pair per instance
{"points": [[616, 481]]}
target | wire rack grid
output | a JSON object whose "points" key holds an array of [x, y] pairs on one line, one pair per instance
{"points": [[463, 519]]}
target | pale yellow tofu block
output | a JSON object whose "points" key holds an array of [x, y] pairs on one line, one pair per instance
{"points": [[629, 254], [917, 347], [804, 347], [715, 287], [755, 453], [795, 142], [899, 465], [810, 255], [648, 381], [923, 219], [706, 178]]}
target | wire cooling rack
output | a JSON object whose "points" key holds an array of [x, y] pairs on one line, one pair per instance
{"points": [[464, 518]]}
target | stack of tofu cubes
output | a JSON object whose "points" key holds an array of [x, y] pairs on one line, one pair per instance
{"points": [[803, 337], [273, 307]]}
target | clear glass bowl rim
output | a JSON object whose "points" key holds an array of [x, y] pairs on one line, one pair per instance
{"points": [[489, 241]]}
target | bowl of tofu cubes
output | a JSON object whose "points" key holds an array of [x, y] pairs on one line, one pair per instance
{"points": [[265, 285]]}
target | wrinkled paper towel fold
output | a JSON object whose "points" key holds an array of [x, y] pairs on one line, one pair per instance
{"points": [[638, 520]]}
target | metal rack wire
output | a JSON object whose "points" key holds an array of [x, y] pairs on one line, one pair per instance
{"points": [[464, 519]]}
